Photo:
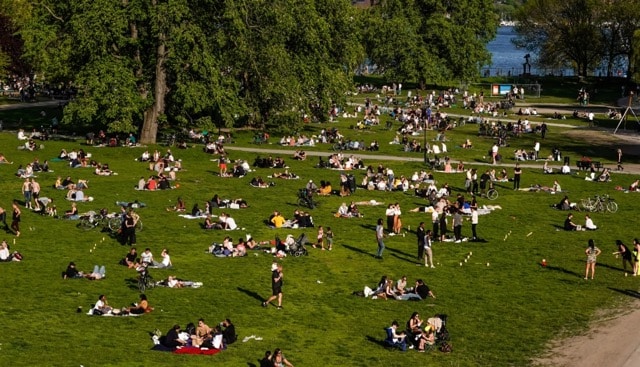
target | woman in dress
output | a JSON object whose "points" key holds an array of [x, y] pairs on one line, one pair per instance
{"points": [[592, 253]]}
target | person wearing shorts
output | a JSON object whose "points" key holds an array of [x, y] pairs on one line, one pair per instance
{"points": [[276, 285]]}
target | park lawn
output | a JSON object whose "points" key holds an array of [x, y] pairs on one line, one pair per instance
{"points": [[502, 314]]}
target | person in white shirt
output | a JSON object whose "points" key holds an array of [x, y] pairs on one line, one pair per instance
{"points": [[474, 222], [166, 260], [227, 222], [536, 149], [343, 211], [589, 223], [494, 153], [146, 257]]}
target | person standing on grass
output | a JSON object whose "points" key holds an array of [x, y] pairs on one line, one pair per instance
{"points": [[428, 254], [329, 236], [380, 238], [592, 253], [623, 251], [15, 222], [320, 237], [3, 219], [517, 172], [620, 168], [474, 222], [276, 285], [636, 259], [420, 233], [130, 221], [457, 225], [26, 192]]}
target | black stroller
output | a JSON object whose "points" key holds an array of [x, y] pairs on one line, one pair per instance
{"points": [[298, 249]]}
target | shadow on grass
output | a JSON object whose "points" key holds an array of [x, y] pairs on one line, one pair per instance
{"points": [[369, 226], [397, 252], [375, 340], [412, 261], [355, 249], [627, 292], [132, 283], [251, 294], [563, 270], [612, 267], [249, 364]]}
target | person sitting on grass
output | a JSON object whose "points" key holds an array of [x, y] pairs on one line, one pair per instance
{"points": [[101, 307], [227, 222], [277, 220], [165, 263], [568, 223], [172, 340], [141, 307], [72, 272], [395, 338], [589, 223], [6, 255], [130, 260]]}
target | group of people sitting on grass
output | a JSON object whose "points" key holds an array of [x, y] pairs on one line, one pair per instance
{"points": [[139, 262], [98, 273], [386, 289], [102, 307], [300, 219], [419, 334], [224, 222], [201, 336], [569, 225]]}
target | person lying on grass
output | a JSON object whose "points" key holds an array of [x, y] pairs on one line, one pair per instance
{"points": [[173, 282]]}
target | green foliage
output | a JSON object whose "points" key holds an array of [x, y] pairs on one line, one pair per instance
{"points": [[429, 41], [559, 30]]}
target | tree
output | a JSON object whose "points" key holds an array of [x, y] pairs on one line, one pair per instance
{"points": [[560, 31], [429, 40], [140, 62], [289, 57]]}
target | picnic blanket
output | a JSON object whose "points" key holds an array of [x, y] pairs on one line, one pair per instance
{"points": [[189, 216], [194, 350]]}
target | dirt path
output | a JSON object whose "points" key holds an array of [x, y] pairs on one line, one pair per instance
{"points": [[609, 342]]}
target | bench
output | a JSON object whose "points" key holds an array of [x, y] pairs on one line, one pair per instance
{"points": [[585, 165]]}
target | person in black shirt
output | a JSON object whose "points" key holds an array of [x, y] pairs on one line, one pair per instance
{"points": [[229, 333], [171, 340], [423, 290]]}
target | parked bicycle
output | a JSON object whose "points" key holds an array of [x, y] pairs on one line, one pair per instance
{"points": [[600, 203], [145, 280], [92, 220], [304, 199]]}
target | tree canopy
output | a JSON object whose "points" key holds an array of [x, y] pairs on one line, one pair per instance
{"points": [[429, 40], [581, 34]]}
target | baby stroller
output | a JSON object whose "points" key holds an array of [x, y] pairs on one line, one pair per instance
{"points": [[298, 249]]}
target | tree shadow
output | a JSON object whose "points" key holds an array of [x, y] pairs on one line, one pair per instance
{"points": [[404, 259], [251, 294], [627, 292]]}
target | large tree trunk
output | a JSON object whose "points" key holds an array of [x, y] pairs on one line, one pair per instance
{"points": [[150, 124]]}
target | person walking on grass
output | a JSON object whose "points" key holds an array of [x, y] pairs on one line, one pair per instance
{"points": [[276, 285], [380, 238], [329, 235], [428, 254], [592, 253]]}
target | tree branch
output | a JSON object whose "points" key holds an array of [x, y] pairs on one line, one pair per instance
{"points": [[50, 11]]}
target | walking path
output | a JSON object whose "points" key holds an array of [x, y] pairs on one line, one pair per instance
{"points": [[628, 168], [22, 105]]}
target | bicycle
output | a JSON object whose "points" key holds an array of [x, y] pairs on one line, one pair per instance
{"points": [[115, 224], [92, 220], [145, 280], [600, 203], [492, 194], [306, 200]]}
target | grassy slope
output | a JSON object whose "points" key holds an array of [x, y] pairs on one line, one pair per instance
{"points": [[499, 315]]}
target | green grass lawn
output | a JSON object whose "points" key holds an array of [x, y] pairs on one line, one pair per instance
{"points": [[499, 315]]}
